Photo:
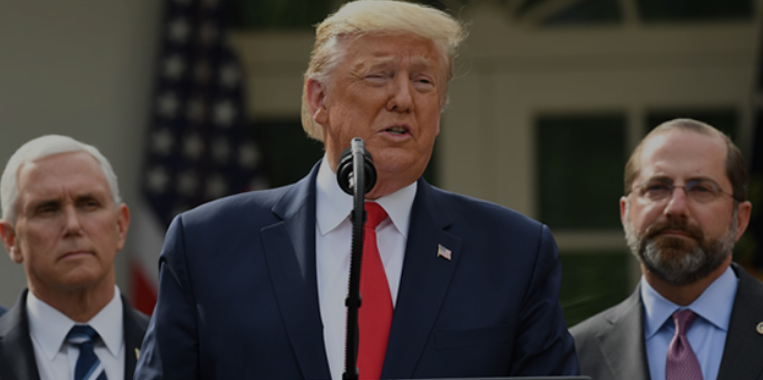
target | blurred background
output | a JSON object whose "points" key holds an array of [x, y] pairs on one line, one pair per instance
{"points": [[195, 99]]}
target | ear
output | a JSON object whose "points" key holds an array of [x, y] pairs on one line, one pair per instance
{"points": [[743, 218], [123, 224], [316, 100], [8, 235], [623, 207]]}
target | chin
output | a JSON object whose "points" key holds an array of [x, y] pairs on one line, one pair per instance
{"points": [[83, 278]]}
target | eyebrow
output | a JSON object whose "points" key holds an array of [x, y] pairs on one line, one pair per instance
{"points": [[372, 63], [46, 203], [665, 178], [378, 62], [58, 201], [423, 62]]}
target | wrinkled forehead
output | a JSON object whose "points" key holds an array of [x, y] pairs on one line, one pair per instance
{"points": [[61, 169], [84, 159], [424, 51], [682, 155]]}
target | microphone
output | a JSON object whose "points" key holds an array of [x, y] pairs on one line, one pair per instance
{"points": [[344, 169], [356, 175]]}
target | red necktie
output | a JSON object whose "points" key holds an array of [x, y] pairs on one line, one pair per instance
{"points": [[681, 363], [375, 314]]}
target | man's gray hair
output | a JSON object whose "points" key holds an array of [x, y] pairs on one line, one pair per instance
{"points": [[38, 149], [364, 17]]}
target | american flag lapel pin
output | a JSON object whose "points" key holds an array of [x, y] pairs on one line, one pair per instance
{"points": [[443, 252]]}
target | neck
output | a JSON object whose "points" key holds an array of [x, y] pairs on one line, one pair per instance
{"points": [[385, 188], [386, 183], [80, 305], [684, 295]]}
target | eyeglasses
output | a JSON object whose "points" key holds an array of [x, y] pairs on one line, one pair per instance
{"points": [[698, 190]]}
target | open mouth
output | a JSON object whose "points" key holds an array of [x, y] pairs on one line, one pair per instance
{"points": [[397, 130]]}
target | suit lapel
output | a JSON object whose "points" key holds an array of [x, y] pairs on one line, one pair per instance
{"points": [[424, 282], [741, 353], [290, 254], [622, 343], [134, 328], [17, 359]]}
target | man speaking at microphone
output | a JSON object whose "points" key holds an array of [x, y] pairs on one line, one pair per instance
{"points": [[254, 285]]}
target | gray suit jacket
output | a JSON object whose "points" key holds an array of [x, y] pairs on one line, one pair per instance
{"points": [[17, 359], [611, 344]]}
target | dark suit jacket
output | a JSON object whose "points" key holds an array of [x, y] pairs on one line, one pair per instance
{"points": [[611, 344], [2, 310], [238, 296], [17, 360]]}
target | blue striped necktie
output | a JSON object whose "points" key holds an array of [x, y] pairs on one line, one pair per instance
{"points": [[89, 367]]}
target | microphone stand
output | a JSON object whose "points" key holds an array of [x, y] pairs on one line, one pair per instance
{"points": [[353, 301]]}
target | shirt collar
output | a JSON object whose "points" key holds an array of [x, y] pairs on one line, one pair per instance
{"points": [[49, 326], [713, 305], [333, 205]]}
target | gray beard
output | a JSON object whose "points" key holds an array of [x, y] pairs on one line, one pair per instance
{"points": [[677, 261]]}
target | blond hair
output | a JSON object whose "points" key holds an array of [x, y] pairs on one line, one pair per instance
{"points": [[363, 17]]}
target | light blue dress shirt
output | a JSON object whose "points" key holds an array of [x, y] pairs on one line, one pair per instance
{"points": [[707, 335]]}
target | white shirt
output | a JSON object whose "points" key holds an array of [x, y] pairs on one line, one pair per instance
{"points": [[57, 359], [333, 235]]}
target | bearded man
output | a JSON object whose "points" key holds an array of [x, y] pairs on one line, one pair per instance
{"points": [[694, 314]]}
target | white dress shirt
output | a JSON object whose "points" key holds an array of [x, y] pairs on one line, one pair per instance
{"points": [[56, 358], [707, 335], [333, 235]]}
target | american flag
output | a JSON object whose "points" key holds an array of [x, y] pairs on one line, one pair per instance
{"points": [[196, 147], [444, 252]]}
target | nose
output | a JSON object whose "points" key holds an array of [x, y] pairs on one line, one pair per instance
{"points": [[401, 96], [72, 226], [677, 207]]}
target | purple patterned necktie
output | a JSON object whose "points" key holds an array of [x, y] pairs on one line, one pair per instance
{"points": [[682, 364]]}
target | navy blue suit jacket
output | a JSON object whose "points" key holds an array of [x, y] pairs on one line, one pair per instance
{"points": [[238, 295]]}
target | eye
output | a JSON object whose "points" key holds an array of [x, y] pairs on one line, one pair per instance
{"points": [[89, 204], [656, 187], [47, 210], [657, 190], [423, 82], [703, 187], [377, 78]]}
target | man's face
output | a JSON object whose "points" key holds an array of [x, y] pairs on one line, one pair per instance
{"points": [[68, 229], [386, 90], [679, 239]]}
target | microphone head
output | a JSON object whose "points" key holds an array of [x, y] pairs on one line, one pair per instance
{"points": [[344, 171]]}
